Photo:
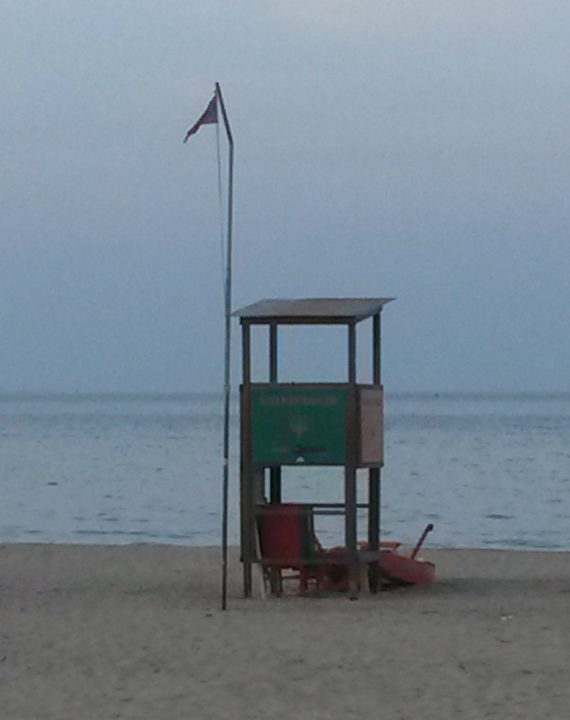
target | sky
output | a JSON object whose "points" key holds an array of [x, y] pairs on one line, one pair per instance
{"points": [[409, 149]]}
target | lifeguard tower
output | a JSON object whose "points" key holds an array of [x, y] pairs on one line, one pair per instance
{"points": [[328, 424]]}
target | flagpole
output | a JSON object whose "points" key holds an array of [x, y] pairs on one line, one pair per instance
{"points": [[227, 352]]}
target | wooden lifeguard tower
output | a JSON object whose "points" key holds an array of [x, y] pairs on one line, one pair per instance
{"points": [[328, 424]]}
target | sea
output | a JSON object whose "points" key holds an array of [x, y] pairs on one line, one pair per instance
{"points": [[489, 471]]}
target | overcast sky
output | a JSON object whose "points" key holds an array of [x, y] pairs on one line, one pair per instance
{"points": [[410, 149]]}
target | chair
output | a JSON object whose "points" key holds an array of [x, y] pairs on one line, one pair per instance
{"points": [[287, 541]]}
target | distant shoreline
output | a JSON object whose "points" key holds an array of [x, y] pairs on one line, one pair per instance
{"points": [[24, 395], [235, 548]]}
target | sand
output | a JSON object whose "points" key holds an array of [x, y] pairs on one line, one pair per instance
{"points": [[136, 632]]}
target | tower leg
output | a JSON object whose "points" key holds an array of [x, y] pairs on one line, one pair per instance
{"points": [[350, 530], [374, 525]]}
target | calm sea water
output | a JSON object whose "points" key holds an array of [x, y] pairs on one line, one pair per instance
{"points": [[488, 471]]}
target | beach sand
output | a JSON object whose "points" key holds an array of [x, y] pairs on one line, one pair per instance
{"points": [[136, 632]]}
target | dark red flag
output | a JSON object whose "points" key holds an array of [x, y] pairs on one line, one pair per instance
{"points": [[208, 117]]}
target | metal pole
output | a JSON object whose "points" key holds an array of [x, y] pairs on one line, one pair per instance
{"points": [[246, 475], [227, 346]]}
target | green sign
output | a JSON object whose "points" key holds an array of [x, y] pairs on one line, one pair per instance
{"points": [[294, 424]]}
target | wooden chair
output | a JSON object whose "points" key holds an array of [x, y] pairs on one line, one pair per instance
{"points": [[287, 541]]}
